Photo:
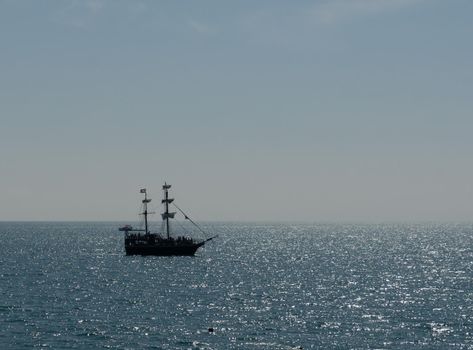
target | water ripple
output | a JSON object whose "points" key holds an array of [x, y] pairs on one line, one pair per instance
{"points": [[259, 286]]}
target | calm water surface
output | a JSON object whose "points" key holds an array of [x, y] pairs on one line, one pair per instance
{"points": [[274, 286]]}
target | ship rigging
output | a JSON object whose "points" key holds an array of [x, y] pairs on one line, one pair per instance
{"points": [[143, 242]]}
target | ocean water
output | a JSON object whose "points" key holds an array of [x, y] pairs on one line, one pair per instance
{"points": [[259, 286]]}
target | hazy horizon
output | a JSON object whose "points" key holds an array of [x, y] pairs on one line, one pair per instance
{"points": [[308, 111], [254, 222]]}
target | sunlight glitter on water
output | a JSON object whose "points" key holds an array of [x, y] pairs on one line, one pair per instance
{"points": [[273, 286]]}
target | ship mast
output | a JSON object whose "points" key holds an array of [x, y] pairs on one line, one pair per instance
{"points": [[145, 209], [166, 215]]}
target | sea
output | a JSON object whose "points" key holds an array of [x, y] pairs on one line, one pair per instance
{"points": [[69, 285]]}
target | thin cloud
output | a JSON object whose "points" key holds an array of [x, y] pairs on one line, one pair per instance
{"points": [[289, 25], [83, 13], [79, 14], [199, 27], [94, 7], [333, 11]]}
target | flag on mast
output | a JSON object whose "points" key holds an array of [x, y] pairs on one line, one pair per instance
{"points": [[143, 190]]}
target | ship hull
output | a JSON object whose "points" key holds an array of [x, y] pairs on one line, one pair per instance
{"points": [[163, 250]]}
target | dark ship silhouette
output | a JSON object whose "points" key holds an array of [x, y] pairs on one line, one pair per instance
{"points": [[143, 242]]}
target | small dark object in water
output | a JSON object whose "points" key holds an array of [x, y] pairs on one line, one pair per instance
{"points": [[211, 329]]}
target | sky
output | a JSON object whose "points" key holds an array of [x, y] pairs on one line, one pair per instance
{"points": [[323, 110]]}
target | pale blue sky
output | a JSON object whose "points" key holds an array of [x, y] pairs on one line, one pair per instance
{"points": [[254, 110]]}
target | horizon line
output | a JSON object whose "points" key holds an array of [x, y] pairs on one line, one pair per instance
{"points": [[405, 221]]}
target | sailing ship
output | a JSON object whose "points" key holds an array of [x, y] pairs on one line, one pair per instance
{"points": [[143, 242]]}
